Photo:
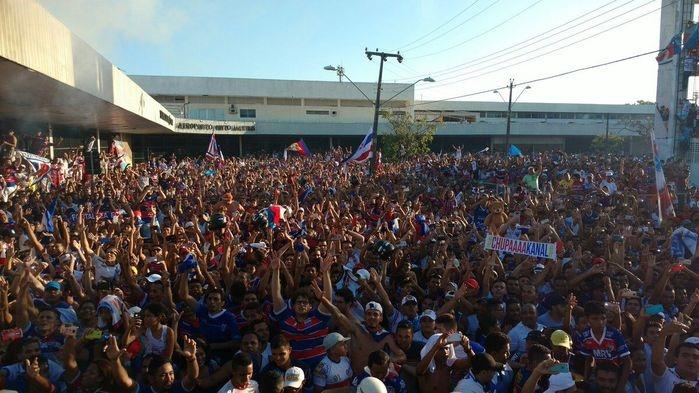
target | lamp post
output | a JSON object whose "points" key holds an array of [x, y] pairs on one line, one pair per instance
{"points": [[428, 79], [341, 72], [339, 69], [509, 110]]}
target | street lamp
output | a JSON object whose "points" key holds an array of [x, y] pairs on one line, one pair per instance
{"points": [[339, 69], [509, 110], [428, 79], [340, 73]]}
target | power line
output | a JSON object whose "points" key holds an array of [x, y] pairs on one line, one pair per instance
{"points": [[458, 67], [440, 26], [453, 28], [481, 34], [538, 79], [538, 55]]}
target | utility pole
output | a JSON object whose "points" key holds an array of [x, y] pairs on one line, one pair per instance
{"points": [[374, 130], [509, 118]]}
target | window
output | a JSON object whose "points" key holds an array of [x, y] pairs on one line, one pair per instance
{"points": [[311, 112], [206, 113], [248, 113], [496, 114]]}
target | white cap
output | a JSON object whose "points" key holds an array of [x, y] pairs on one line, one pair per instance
{"points": [[133, 311], [409, 298], [371, 385], [692, 340], [333, 339], [560, 382], [259, 246], [430, 314], [374, 306], [293, 378], [188, 224], [363, 274], [154, 277]]}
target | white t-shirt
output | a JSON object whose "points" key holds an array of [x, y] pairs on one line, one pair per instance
{"points": [[330, 375], [228, 388], [665, 382]]}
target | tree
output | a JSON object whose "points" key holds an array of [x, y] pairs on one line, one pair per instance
{"points": [[600, 143], [410, 137], [641, 126]]}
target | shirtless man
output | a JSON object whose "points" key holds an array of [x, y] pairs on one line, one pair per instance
{"points": [[367, 337]]}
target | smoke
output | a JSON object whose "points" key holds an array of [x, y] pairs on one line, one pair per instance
{"points": [[104, 23]]}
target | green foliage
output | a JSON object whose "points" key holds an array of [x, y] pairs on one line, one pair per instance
{"points": [[410, 137], [615, 144]]}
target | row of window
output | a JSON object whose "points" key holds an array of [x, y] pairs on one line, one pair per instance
{"points": [[566, 115]]}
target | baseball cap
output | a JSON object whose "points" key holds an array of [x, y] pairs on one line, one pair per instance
{"points": [[560, 382], [408, 299], [293, 378], [559, 338], [692, 340], [472, 283], [154, 277], [53, 285], [374, 306], [484, 362], [333, 339], [429, 314], [363, 274], [188, 224]]}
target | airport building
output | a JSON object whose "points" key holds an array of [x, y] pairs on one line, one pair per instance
{"points": [[52, 79]]}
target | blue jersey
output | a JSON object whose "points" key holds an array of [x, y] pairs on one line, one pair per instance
{"points": [[394, 383], [611, 347], [306, 336], [218, 328]]}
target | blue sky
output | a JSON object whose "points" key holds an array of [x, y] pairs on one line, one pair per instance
{"points": [[295, 39]]}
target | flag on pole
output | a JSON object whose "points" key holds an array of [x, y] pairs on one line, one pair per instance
{"points": [[514, 151], [363, 152], [665, 208], [47, 219], [666, 55], [213, 151], [692, 38], [300, 147]]}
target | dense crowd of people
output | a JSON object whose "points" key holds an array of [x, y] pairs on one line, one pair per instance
{"points": [[307, 275]]}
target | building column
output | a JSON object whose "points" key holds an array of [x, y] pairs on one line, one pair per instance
{"points": [[330, 139], [99, 144], [50, 142], [240, 146]]}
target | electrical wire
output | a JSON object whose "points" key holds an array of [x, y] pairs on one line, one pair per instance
{"points": [[459, 67], [481, 34], [440, 26], [453, 28], [529, 82], [538, 55]]}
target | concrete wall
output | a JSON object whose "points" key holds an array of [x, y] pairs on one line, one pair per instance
{"points": [[33, 38]]}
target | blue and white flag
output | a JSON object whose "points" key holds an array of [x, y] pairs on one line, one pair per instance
{"points": [[682, 241], [514, 151], [363, 152], [47, 219], [213, 151]]}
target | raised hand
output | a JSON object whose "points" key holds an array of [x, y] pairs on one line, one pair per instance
{"points": [[190, 349], [111, 349], [544, 368], [32, 368], [317, 292]]}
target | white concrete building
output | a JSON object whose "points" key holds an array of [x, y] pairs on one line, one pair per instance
{"points": [[52, 79]]}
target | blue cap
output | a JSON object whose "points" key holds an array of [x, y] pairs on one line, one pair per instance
{"points": [[52, 285]]}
